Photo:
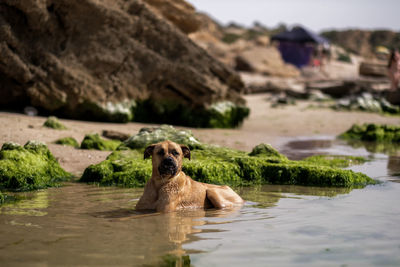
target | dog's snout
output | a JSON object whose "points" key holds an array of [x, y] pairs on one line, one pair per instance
{"points": [[169, 161], [168, 166]]}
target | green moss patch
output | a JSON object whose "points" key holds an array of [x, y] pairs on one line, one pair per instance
{"points": [[67, 141], [2, 198], [29, 167], [94, 141], [373, 132], [152, 135], [218, 165], [54, 123]]}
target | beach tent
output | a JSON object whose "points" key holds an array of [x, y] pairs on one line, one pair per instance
{"points": [[297, 45]]}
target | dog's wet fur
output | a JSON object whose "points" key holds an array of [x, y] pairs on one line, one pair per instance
{"points": [[170, 189]]}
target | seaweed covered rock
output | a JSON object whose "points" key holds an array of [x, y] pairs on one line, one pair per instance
{"points": [[367, 102], [152, 135], [122, 168], [94, 141], [54, 123], [29, 167], [373, 132], [266, 150], [225, 166], [67, 141], [100, 60]]}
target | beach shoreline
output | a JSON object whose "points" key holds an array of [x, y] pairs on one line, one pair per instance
{"points": [[264, 125]]}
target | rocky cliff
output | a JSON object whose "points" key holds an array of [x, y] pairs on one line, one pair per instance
{"points": [[363, 43], [110, 60]]}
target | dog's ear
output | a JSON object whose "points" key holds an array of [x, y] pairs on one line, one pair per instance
{"points": [[148, 151], [186, 151]]}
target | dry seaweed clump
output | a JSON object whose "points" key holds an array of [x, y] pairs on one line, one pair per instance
{"points": [[373, 132], [67, 141], [225, 166], [94, 141], [152, 135], [29, 167], [54, 123]]}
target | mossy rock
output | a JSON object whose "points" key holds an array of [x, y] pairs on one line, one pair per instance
{"points": [[266, 150], [54, 123], [29, 167], [122, 168], [223, 114], [95, 142], [67, 141], [373, 132], [152, 135], [225, 166]]}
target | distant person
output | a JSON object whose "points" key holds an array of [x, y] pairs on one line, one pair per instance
{"points": [[394, 69]]}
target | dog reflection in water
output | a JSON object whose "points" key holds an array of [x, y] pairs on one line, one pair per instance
{"points": [[170, 189]]}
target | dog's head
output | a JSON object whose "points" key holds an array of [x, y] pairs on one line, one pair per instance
{"points": [[167, 157]]}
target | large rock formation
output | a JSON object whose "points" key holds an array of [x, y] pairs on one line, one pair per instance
{"points": [[89, 59]]}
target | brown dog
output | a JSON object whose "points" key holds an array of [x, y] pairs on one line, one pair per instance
{"points": [[170, 189]]}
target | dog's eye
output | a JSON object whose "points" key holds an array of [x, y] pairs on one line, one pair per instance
{"points": [[175, 153], [160, 152]]}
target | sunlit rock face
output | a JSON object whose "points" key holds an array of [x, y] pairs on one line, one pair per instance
{"points": [[100, 60]]}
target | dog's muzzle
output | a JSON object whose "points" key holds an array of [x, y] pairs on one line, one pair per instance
{"points": [[168, 167]]}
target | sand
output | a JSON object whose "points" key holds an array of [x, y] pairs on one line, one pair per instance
{"points": [[265, 125]]}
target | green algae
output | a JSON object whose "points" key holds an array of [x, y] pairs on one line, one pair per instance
{"points": [[67, 141], [53, 123], [373, 133], [95, 142], [224, 114], [152, 135], [218, 165], [29, 167], [335, 160]]}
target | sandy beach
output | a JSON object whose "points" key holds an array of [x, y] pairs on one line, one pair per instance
{"points": [[265, 125]]}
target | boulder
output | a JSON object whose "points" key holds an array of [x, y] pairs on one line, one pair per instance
{"points": [[99, 60], [374, 69], [115, 135]]}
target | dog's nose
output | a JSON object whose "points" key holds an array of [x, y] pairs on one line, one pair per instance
{"points": [[169, 161]]}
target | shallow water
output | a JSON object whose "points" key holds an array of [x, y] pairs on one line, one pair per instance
{"points": [[279, 225]]}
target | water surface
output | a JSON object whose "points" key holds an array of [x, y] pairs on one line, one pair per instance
{"points": [[279, 225]]}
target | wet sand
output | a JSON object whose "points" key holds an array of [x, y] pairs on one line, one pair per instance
{"points": [[265, 124]]}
